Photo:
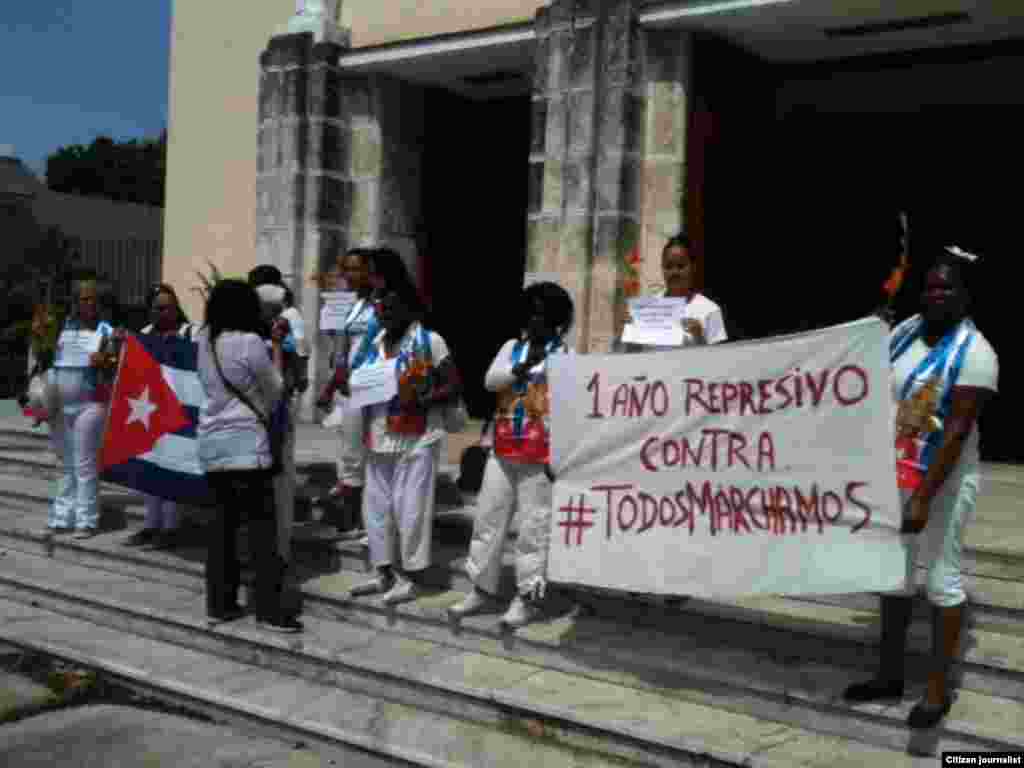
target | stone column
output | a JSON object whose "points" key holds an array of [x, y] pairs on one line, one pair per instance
{"points": [[585, 163], [339, 166], [301, 200], [668, 78]]}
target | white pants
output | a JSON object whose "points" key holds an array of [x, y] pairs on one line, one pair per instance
{"points": [[78, 436], [284, 489], [939, 546], [161, 514], [508, 486], [351, 451], [398, 506]]}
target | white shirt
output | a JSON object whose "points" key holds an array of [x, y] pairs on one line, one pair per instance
{"points": [[980, 369], [298, 328], [700, 308], [378, 438]]}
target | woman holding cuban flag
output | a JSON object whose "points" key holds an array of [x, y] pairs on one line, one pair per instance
{"points": [[944, 371], [160, 528]]}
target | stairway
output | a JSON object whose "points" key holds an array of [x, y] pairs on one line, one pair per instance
{"points": [[608, 679]]}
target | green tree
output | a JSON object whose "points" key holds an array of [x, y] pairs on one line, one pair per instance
{"points": [[128, 171]]}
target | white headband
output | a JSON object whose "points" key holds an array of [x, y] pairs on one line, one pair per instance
{"points": [[271, 293], [960, 253]]}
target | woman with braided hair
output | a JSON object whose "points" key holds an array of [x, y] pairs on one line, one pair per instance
{"points": [[517, 473]]}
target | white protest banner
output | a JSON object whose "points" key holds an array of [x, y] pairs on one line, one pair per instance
{"points": [[75, 347], [373, 383], [334, 312], [656, 321], [737, 469]]}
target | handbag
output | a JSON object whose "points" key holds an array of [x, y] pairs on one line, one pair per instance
{"points": [[455, 417], [276, 423]]}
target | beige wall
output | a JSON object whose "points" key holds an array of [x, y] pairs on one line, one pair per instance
{"points": [[211, 152], [374, 22], [214, 76]]}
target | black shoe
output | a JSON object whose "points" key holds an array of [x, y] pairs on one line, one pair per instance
{"points": [[288, 626], [140, 538], [165, 540], [874, 690], [924, 716], [231, 613]]}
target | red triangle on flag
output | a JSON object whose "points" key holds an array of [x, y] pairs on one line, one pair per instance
{"points": [[143, 407]]}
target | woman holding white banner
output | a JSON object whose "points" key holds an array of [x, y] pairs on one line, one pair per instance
{"points": [[700, 318], [517, 473], [160, 526], [78, 378], [943, 373], [403, 435]]}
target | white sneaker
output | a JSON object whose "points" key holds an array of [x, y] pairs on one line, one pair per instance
{"points": [[372, 587], [475, 602], [520, 613], [403, 591]]}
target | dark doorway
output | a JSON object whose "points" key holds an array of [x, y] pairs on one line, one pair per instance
{"points": [[951, 169], [801, 214], [475, 163]]}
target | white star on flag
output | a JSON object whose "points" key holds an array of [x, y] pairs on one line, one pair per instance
{"points": [[142, 408]]}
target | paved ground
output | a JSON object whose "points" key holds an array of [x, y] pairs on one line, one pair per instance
{"points": [[39, 727], [105, 736]]}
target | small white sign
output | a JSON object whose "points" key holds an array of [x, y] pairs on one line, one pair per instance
{"points": [[656, 321], [335, 311], [75, 347], [374, 383]]}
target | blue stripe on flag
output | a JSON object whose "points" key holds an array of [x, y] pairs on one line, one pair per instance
{"points": [[157, 481], [171, 351]]}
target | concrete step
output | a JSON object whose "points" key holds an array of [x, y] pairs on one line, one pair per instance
{"points": [[655, 719], [807, 634], [299, 710], [995, 603]]}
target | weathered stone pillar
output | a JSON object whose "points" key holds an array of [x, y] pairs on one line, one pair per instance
{"points": [[339, 165], [585, 163], [301, 143], [668, 79]]}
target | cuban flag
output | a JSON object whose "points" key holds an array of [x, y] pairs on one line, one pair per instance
{"points": [[150, 440]]}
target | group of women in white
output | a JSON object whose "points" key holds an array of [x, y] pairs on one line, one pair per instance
{"points": [[943, 373], [399, 441]]}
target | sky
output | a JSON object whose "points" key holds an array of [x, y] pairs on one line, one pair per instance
{"points": [[72, 70]]}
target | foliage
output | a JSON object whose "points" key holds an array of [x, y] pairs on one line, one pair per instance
{"points": [[129, 171], [206, 283], [35, 285]]}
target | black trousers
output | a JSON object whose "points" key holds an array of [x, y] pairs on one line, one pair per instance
{"points": [[244, 495]]}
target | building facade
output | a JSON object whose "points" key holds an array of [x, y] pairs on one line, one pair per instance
{"points": [[120, 241], [573, 137]]}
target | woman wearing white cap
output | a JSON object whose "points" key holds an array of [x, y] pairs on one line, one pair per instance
{"points": [[272, 299]]}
